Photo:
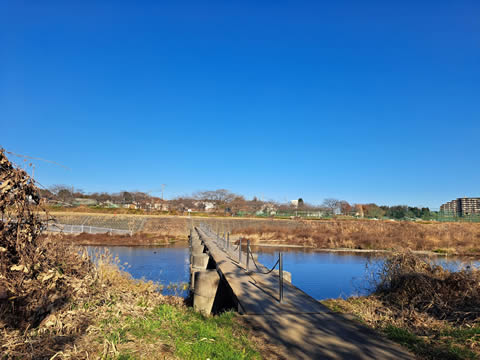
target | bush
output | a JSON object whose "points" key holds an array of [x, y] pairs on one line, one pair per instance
{"points": [[36, 275], [407, 281]]}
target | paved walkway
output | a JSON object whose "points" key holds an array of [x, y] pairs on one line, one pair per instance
{"points": [[302, 326]]}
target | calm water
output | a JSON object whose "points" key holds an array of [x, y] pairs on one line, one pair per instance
{"points": [[325, 275], [164, 264], [322, 275]]}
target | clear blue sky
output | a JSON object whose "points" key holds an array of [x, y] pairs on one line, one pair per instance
{"points": [[368, 101]]}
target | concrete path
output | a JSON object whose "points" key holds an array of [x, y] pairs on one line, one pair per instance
{"points": [[302, 326]]}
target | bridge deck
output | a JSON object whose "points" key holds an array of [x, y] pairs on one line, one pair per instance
{"points": [[258, 293], [301, 326]]}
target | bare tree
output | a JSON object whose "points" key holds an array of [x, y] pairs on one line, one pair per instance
{"points": [[63, 193], [333, 205], [217, 196], [345, 208]]}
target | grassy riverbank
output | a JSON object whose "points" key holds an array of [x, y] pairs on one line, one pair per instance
{"points": [[444, 238], [112, 316], [56, 303], [431, 311], [137, 239], [151, 326], [447, 238], [427, 337]]}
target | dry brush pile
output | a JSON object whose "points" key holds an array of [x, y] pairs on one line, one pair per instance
{"points": [[36, 275], [50, 293], [410, 283], [435, 312]]}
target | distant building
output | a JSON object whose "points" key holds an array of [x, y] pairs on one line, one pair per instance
{"points": [[462, 206], [294, 203], [205, 205], [84, 202]]}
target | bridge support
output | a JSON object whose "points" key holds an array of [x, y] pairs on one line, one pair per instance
{"points": [[198, 249], [287, 275], [206, 285], [199, 263]]}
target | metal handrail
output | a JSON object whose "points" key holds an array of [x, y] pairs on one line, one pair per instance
{"points": [[279, 261]]}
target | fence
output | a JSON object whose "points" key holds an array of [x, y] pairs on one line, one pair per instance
{"points": [[447, 217], [224, 244], [76, 229]]}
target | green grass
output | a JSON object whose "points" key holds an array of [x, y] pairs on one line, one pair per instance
{"points": [[187, 334], [440, 348], [441, 251]]}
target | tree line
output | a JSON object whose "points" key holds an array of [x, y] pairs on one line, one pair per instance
{"points": [[225, 201]]}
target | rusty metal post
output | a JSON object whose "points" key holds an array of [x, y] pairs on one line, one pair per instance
{"points": [[280, 276], [248, 253], [240, 251]]}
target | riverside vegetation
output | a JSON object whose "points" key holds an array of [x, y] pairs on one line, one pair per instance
{"points": [[57, 303], [442, 238], [432, 311]]}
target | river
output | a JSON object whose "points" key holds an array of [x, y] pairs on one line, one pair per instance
{"points": [[322, 275]]}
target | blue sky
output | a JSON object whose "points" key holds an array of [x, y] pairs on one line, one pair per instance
{"points": [[371, 101]]}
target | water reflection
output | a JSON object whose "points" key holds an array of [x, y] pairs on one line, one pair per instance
{"points": [[322, 275], [325, 275], [164, 264]]}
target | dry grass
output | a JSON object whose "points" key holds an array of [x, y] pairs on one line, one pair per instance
{"points": [[57, 303], [460, 238], [137, 239], [463, 238], [73, 331], [432, 311], [409, 282]]}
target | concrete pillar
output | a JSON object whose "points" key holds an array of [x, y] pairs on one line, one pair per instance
{"points": [[196, 242], [200, 261], [193, 271], [197, 249], [206, 285], [287, 275]]}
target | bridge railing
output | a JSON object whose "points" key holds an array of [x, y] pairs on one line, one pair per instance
{"points": [[225, 244], [76, 229]]}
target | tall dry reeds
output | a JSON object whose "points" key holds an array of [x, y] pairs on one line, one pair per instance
{"points": [[369, 234]]}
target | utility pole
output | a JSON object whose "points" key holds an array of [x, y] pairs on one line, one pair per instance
{"points": [[163, 187]]}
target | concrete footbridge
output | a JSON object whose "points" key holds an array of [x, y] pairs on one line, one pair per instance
{"points": [[226, 275]]}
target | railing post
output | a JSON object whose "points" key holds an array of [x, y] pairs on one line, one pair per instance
{"points": [[248, 253], [280, 276], [228, 241], [240, 251]]}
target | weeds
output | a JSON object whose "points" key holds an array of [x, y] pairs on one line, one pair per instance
{"points": [[57, 303], [431, 310], [409, 282], [451, 238]]}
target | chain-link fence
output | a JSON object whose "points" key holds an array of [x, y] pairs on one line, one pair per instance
{"points": [[77, 229]]}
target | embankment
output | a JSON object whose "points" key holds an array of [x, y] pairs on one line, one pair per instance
{"points": [[461, 238], [431, 310]]}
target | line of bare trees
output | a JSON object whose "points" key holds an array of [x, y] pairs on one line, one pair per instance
{"points": [[225, 201]]}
